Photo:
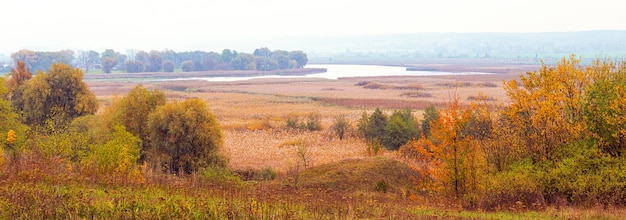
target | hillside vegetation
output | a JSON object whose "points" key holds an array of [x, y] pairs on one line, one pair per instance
{"points": [[554, 149]]}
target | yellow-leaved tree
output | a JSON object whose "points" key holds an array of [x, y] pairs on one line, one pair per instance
{"points": [[546, 108], [58, 96], [454, 161], [132, 110], [12, 130]]}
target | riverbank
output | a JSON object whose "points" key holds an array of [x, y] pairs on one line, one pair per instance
{"points": [[152, 76]]}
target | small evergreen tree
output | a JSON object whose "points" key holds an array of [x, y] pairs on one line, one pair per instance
{"points": [[372, 127], [400, 128], [430, 115]]}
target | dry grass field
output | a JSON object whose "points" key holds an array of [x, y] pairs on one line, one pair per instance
{"points": [[253, 112], [280, 172]]}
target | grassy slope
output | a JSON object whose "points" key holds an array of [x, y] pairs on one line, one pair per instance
{"points": [[341, 190], [362, 175], [344, 189]]}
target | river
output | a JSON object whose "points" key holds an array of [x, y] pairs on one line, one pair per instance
{"points": [[336, 71]]}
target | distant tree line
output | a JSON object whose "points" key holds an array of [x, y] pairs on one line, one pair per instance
{"points": [[42, 60], [134, 61]]}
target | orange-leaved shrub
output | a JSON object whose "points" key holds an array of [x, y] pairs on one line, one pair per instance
{"points": [[454, 161], [560, 141]]}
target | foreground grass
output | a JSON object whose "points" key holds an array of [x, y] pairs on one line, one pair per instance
{"points": [[45, 201], [550, 213], [349, 189], [76, 201]]}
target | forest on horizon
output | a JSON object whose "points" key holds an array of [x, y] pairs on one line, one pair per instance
{"points": [[133, 61], [519, 47]]}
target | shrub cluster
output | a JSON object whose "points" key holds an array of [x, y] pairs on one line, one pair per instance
{"points": [[560, 141], [391, 132], [311, 122], [135, 131]]}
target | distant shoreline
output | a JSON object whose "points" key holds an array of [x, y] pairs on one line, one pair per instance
{"points": [[198, 74]]}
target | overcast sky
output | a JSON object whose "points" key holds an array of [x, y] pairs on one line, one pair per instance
{"points": [[215, 25]]}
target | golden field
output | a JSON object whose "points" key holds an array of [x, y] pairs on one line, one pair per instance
{"points": [[252, 113]]}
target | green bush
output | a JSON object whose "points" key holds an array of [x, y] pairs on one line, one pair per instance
{"points": [[431, 114], [373, 126], [218, 174], [587, 177], [381, 186], [265, 174], [187, 135], [519, 185], [391, 133], [312, 123], [118, 155], [400, 128], [341, 126]]}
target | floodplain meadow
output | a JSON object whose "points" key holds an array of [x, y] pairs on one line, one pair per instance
{"points": [[275, 171]]}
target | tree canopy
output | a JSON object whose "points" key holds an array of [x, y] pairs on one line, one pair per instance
{"points": [[262, 59], [187, 134], [133, 109], [59, 93], [109, 59], [42, 60]]}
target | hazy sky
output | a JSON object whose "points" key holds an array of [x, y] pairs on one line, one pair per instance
{"points": [[237, 24]]}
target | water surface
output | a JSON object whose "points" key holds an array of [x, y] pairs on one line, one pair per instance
{"points": [[336, 71]]}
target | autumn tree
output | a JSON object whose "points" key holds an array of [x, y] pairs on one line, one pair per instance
{"points": [[28, 57], [187, 135], [108, 60], [547, 107], [118, 155], [133, 109], [454, 161], [12, 131], [480, 125], [43, 60], [19, 76], [58, 94]]}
